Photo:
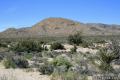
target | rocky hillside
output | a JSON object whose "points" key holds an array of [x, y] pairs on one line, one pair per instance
{"points": [[59, 27]]}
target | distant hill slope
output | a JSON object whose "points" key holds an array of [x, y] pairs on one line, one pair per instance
{"points": [[60, 27]]}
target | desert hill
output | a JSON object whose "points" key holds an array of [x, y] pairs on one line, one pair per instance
{"points": [[59, 27]]}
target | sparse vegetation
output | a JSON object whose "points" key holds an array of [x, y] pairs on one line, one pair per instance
{"points": [[56, 45], [10, 77], [62, 65], [64, 76], [106, 56]]}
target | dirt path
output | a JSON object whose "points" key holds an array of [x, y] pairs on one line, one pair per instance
{"points": [[19, 74]]}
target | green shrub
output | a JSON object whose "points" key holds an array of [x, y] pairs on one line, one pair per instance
{"points": [[3, 44], [46, 69], [18, 62], [61, 61], [27, 46], [75, 39], [28, 56], [8, 63], [56, 45]]}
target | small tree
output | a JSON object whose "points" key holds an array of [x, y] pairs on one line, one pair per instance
{"points": [[75, 39]]}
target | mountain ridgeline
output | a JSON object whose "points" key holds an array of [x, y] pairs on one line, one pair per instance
{"points": [[60, 27]]}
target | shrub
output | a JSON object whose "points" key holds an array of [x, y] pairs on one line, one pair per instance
{"points": [[21, 62], [75, 39], [86, 44], [74, 49], [46, 69], [45, 48], [47, 54], [61, 61], [1, 58], [115, 47], [3, 44], [28, 56], [101, 41], [50, 54], [56, 45], [8, 63], [27, 45], [15, 62]]}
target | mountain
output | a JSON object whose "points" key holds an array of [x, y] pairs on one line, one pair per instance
{"points": [[60, 27]]}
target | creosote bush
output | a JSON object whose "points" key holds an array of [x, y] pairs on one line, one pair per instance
{"points": [[75, 39]]}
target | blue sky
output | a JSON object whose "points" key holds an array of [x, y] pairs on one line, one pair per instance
{"points": [[20, 13]]}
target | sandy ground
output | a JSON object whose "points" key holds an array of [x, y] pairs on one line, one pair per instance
{"points": [[84, 50], [80, 49], [19, 74]]}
